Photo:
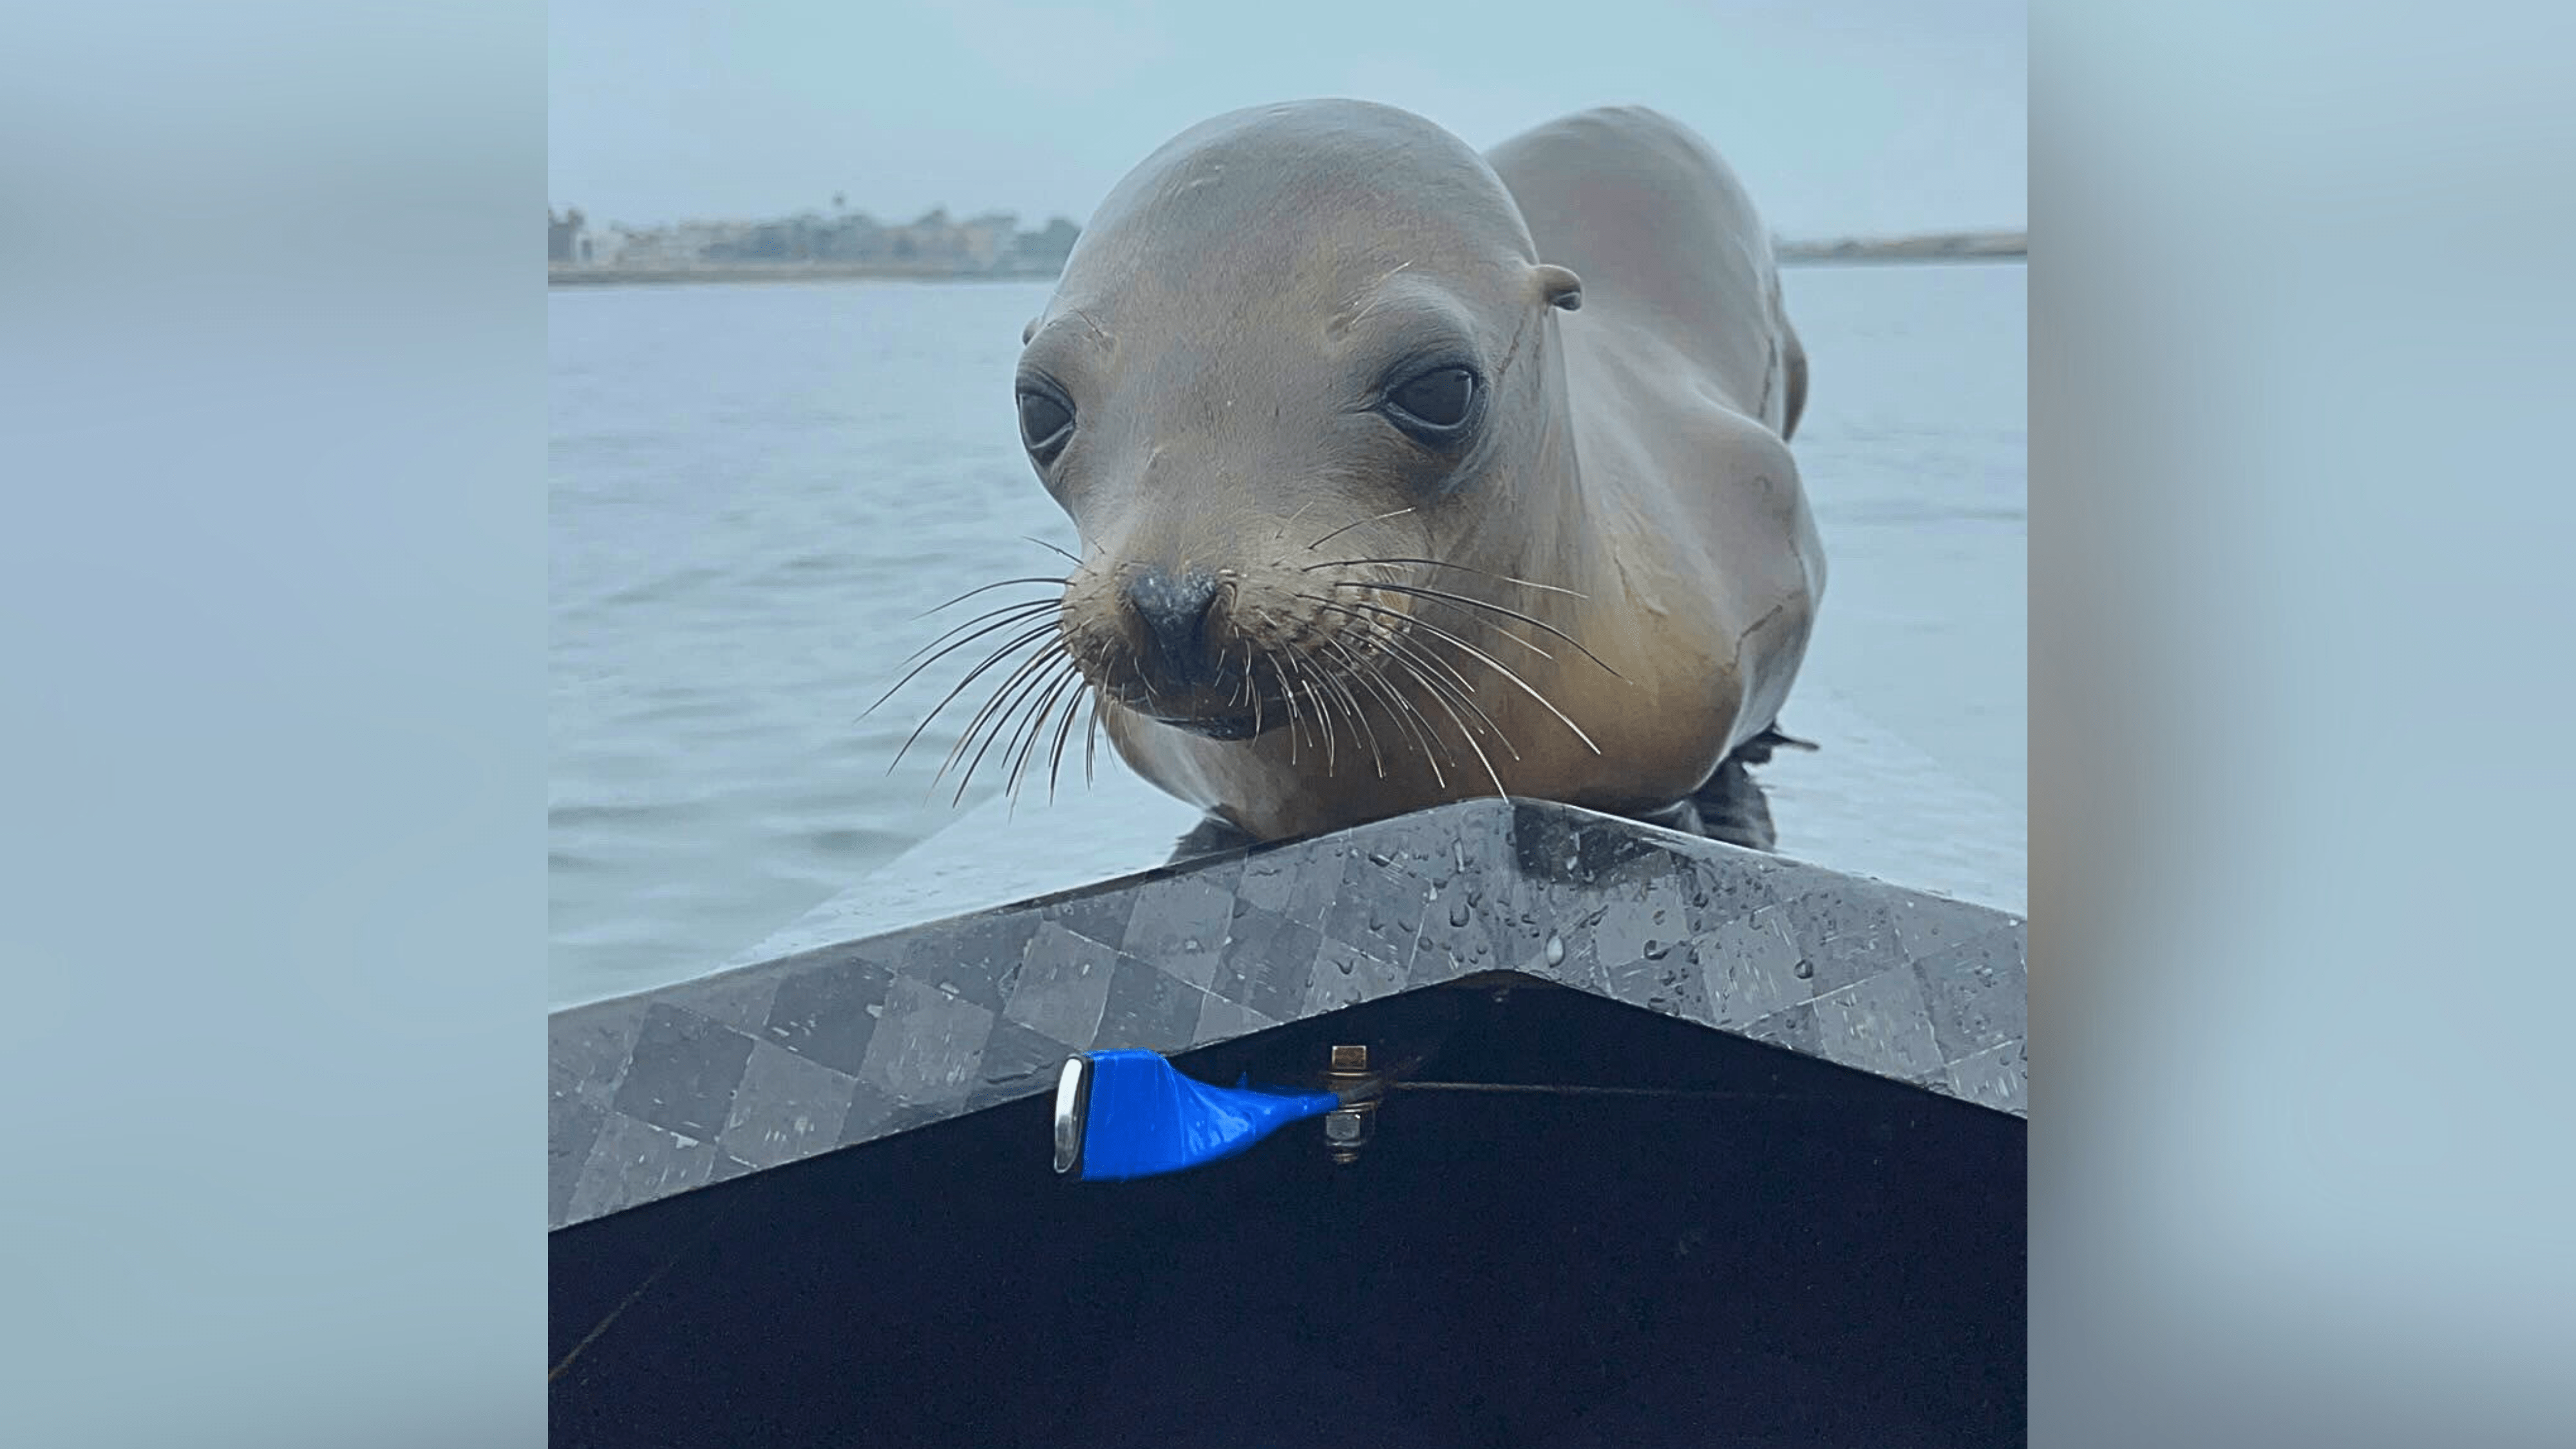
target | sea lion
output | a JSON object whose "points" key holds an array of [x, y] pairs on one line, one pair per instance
{"points": [[1405, 474]]}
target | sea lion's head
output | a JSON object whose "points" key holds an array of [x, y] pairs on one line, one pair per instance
{"points": [[1299, 363]]}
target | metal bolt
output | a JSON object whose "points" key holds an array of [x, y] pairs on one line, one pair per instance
{"points": [[1347, 1129]]}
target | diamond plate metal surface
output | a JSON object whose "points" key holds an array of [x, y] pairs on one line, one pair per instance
{"points": [[661, 1093]]}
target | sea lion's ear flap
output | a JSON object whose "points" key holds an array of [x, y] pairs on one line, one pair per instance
{"points": [[1560, 287]]}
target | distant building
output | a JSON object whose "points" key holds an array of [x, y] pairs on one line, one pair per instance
{"points": [[987, 240], [565, 243], [676, 247], [858, 239], [1045, 251]]}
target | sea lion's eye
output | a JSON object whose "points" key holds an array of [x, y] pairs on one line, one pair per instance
{"points": [[1437, 402], [1046, 424]]}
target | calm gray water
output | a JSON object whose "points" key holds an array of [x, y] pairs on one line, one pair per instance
{"points": [[756, 488]]}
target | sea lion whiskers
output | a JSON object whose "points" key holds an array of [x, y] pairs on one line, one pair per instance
{"points": [[1287, 698], [1024, 733], [1316, 705], [1496, 665], [1435, 563], [1069, 675], [1407, 654], [1288, 693], [1356, 714], [1530, 645], [1229, 585], [1015, 617], [1043, 681], [1399, 711], [1291, 520], [1283, 661], [1351, 709], [1468, 601], [1464, 601], [1007, 697], [1025, 737], [1032, 727], [1064, 732], [986, 589], [991, 620], [1440, 698], [1026, 609], [1448, 698], [1320, 701], [1015, 644], [1355, 523]]}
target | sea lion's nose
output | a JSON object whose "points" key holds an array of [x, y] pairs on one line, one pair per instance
{"points": [[1174, 611]]}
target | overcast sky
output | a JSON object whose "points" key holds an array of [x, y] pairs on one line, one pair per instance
{"points": [[1864, 116]]}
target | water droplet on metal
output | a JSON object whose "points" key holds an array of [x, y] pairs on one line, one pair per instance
{"points": [[1804, 969], [1555, 950], [1656, 950], [1458, 913]]}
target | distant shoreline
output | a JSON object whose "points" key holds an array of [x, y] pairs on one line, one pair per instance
{"points": [[1946, 247], [1964, 246], [1984, 246], [561, 275]]}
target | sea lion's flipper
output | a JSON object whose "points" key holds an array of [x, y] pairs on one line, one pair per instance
{"points": [[1732, 808], [1211, 836], [1758, 750], [1794, 362], [1731, 805]]}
